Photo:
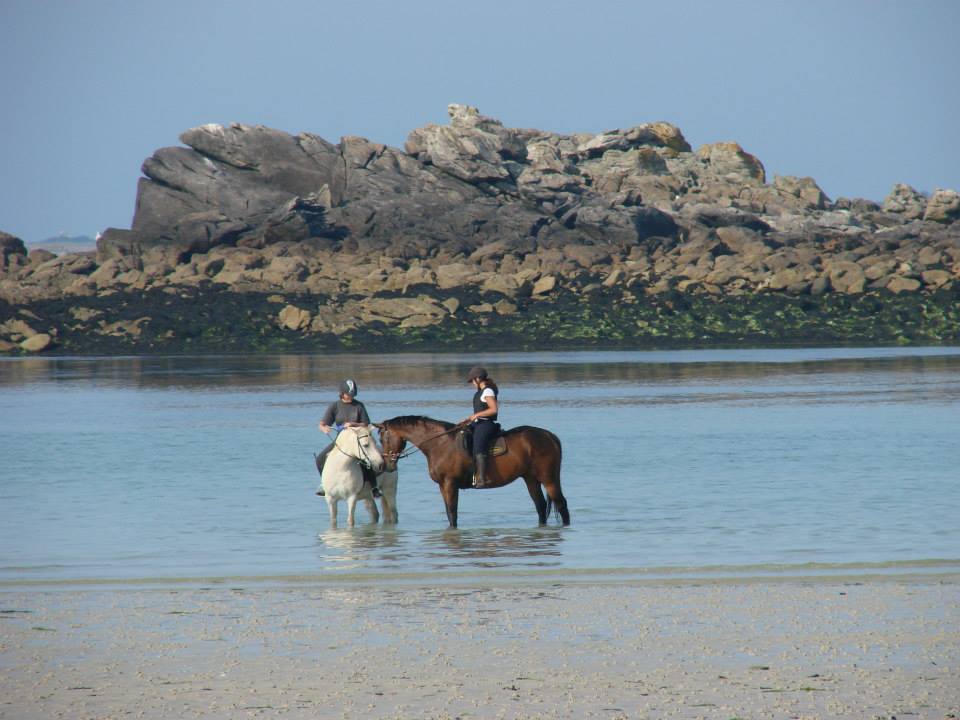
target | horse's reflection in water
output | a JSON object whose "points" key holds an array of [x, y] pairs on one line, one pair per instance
{"points": [[495, 547], [363, 545]]}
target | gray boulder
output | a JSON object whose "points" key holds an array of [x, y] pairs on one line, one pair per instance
{"points": [[477, 205]]}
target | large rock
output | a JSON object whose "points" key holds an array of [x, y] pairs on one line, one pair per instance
{"points": [[475, 207], [904, 200], [10, 245], [471, 148], [806, 189], [730, 162], [943, 207]]}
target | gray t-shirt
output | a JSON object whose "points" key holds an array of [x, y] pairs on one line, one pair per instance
{"points": [[340, 412]]}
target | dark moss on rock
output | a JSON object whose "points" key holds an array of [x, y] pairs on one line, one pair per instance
{"points": [[214, 320]]}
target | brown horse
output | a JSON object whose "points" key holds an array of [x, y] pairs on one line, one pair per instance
{"points": [[532, 453]]}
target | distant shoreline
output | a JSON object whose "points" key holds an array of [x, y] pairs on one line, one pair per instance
{"points": [[215, 320]]}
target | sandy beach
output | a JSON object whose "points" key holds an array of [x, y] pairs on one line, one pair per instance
{"points": [[814, 648]]}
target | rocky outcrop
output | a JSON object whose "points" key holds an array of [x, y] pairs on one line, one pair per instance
{"points": [[479, 221]]}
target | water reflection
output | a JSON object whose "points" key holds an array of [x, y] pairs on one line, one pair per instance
{"points": [[375, 548], [494, 547], [430, 370], [368, 545]]}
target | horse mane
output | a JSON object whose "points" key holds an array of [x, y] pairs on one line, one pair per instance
{"points": [[407, 421]]}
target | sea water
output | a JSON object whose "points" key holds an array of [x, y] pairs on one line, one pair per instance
{"points": [[675, 464]]}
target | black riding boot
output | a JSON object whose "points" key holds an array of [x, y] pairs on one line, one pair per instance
{"points": [[320, 460], [371, 477], [480, 471]]}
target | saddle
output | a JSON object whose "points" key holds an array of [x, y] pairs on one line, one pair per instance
{"points": [[498, 446]]}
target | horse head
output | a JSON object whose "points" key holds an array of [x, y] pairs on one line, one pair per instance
{"points": [[357, 442], [392, 444]]}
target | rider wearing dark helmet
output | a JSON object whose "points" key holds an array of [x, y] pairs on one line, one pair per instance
{"points": [[347, 411], [483, 421]]}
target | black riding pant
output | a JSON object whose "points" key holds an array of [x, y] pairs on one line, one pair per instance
{"points": [[483, 433]]}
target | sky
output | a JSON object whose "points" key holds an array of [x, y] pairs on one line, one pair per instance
{"points": [[858, 94]]}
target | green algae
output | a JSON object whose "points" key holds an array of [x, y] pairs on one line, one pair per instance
{"points": [[215, 320]]}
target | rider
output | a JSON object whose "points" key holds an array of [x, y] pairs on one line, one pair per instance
{"points": [[483, 421], [345, 412]]}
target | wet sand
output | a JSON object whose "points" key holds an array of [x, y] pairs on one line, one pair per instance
{"points": [[823, 648]]}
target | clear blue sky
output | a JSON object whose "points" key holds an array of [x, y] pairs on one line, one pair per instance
{"points": [[857, 94]]}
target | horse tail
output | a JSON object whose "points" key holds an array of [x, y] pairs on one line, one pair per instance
{"points": [[550, 507], [557, 441]]}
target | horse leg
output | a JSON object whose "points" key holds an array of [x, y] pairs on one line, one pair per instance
{"points": [[556, 496], [332, 505], [536, 494], [552, 486], [389, 512], [451, 496], [372, 509], [351, 509]]}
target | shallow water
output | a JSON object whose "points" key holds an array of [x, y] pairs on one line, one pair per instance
{"points": [[693, 463]]}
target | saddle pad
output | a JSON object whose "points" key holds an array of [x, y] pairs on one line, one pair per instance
{"points": [[498, 447]]}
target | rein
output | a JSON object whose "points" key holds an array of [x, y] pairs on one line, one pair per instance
{"points": [[416, 448], [363, 461]]}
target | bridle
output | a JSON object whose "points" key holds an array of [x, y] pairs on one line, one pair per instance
{"points": [[362, 458], [397, 457]]}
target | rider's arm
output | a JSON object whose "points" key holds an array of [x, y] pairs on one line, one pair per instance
{"points": [[328, 419]]}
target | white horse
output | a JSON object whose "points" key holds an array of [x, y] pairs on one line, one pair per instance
{"points": [[342, 477]]}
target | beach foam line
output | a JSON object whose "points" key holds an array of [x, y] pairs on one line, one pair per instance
{"points": [[937, 569]]}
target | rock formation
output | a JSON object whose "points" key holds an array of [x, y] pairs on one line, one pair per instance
{"points": [[477, 220]]}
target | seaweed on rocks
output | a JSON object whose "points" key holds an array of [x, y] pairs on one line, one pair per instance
{"points": [[215, 320]]}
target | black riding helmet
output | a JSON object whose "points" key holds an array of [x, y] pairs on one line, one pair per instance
{"points": [[349, 387], [477, 373]]}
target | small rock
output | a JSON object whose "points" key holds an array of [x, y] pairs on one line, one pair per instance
{"points": [[294, 318], [452, 305], [36, 343], [415, 321], [899, 284], [935, 278], [17, 329], [544, 285]]}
